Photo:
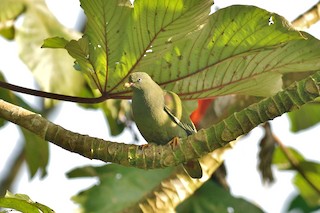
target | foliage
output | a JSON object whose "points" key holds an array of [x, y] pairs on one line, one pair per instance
{"points": [[233, 50], [213, 198], [23, 203], [306, 179], [119, 184], [240, 50], [36, 149]]}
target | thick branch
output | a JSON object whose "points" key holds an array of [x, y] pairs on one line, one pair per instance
{"points": [[155, 156]]}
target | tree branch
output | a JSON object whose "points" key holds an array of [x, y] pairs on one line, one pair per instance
{"points": [[308, 18], [156, 156]]}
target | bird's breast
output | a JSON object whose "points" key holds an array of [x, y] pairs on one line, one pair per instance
{"points": [[152, 121]]}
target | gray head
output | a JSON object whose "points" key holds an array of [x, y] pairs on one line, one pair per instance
{"points": [[140, 81]]}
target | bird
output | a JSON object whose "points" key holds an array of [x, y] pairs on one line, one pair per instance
{"points": [[160, 115]]}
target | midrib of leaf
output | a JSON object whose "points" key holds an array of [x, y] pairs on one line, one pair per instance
{"points": [[197, 12], [231, 58], [268, 43], [106, 24], [247, 54], [220, 58], [217, 55]]}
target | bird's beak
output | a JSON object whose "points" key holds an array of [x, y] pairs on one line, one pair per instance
{"points": [[128, 84]]}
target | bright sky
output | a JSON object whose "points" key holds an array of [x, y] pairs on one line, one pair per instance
{"points": [[55, 190]]}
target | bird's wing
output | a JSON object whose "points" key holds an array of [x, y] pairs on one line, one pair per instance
{"points": [[173, 106]]}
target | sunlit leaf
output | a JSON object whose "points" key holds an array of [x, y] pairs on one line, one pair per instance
{"points": [[212, 198], [99, 51], [55, 42], [52, 68], [152, 41], [186, 50], [118, 186], [23, 203], [236, 52]]}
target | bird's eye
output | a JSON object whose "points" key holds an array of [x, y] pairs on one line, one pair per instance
{"points": [[139, 79]]}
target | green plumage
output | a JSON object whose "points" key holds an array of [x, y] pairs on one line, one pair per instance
{"points": [[160, 115]]}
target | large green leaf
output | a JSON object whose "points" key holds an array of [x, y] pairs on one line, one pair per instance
{"points": [[118, 36], [52, 68], [154, 33], [97, 54], [118, 186], [239, 49], [213, 198]]}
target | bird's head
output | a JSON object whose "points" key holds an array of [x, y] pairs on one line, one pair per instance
{"points": [[139, 81]]}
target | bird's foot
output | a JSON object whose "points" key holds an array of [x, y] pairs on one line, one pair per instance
{"points": [[174, 142], [143, 146]]}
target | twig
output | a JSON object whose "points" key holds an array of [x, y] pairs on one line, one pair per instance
{"points": [[295, 164], [308, 18]]}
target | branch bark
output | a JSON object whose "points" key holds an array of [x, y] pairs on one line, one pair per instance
{"points": [[156, 156]]}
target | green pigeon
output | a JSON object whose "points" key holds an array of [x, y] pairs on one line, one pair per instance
{"points": [[160, 115]]}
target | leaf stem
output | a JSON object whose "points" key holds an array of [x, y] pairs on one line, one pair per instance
{"points": [[295, 164], [50, 95]]}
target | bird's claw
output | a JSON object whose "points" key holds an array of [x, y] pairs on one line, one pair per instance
{"points": [[174, 142], [143, 146]]}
